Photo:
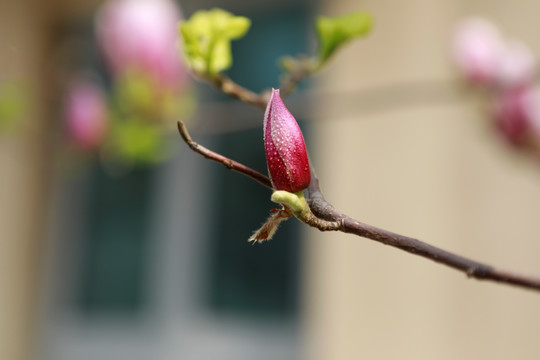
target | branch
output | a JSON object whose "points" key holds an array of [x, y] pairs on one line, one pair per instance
{"points": [[231, 88], [228, 163], [301, 68], [328, 218], [471, 268]]}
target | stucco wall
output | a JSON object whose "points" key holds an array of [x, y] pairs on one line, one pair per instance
{"points": [[430, 167]]}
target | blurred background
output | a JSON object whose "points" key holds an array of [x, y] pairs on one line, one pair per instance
{"points": [[117, 242]]}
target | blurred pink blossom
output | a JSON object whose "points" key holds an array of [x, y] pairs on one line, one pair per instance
{"points": [[477, 48], [517, 115], [86, 114], [142, 35], [517, 65], [487, 58]]}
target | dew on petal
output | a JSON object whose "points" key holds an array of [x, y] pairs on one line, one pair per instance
{"points": [[286, 153]]}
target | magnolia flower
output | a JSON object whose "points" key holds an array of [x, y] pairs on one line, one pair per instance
{"points": [[286, 154], [517, 65], [477, 48], [141, 36], [86, 114], [517, 115], [486, 58]]}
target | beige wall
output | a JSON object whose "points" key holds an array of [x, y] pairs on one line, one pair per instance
{"points": [[432, 171], [26, 37], [27, 30], [22, 176]]}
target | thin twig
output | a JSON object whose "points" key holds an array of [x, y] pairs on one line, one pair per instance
{"points": [[231, 88], [222, 117], [326, 211], [303, 67], [228, 163]]}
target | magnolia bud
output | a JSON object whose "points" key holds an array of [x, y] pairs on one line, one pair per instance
{"points": [[517, 65], [141, 36], [517, 115], [477, 48], [86, 114], [286, 154], [487, 58]]}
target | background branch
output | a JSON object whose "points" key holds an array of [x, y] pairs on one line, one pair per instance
{"points": [[234, 90], [300, 69], [222, 117]]}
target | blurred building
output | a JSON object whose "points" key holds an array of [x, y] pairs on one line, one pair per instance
{"points": [[154, 264]]}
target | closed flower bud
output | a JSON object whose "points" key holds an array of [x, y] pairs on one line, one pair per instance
{"points": [[286, 154], [477, 49], [86, 114], [485, 57], [141, 36], [517, 65], [517, 115]]}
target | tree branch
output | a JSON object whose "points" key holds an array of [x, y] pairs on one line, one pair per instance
{"points": [[301, 68], [325, 213], [228, 163], [471, 268], [234, 90]]}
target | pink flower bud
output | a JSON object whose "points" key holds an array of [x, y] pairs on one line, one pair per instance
{"points": [[141, 35], [477, 49], [486, 58], [286, 154], [517, 65], [517, 115], [86, 114]]}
